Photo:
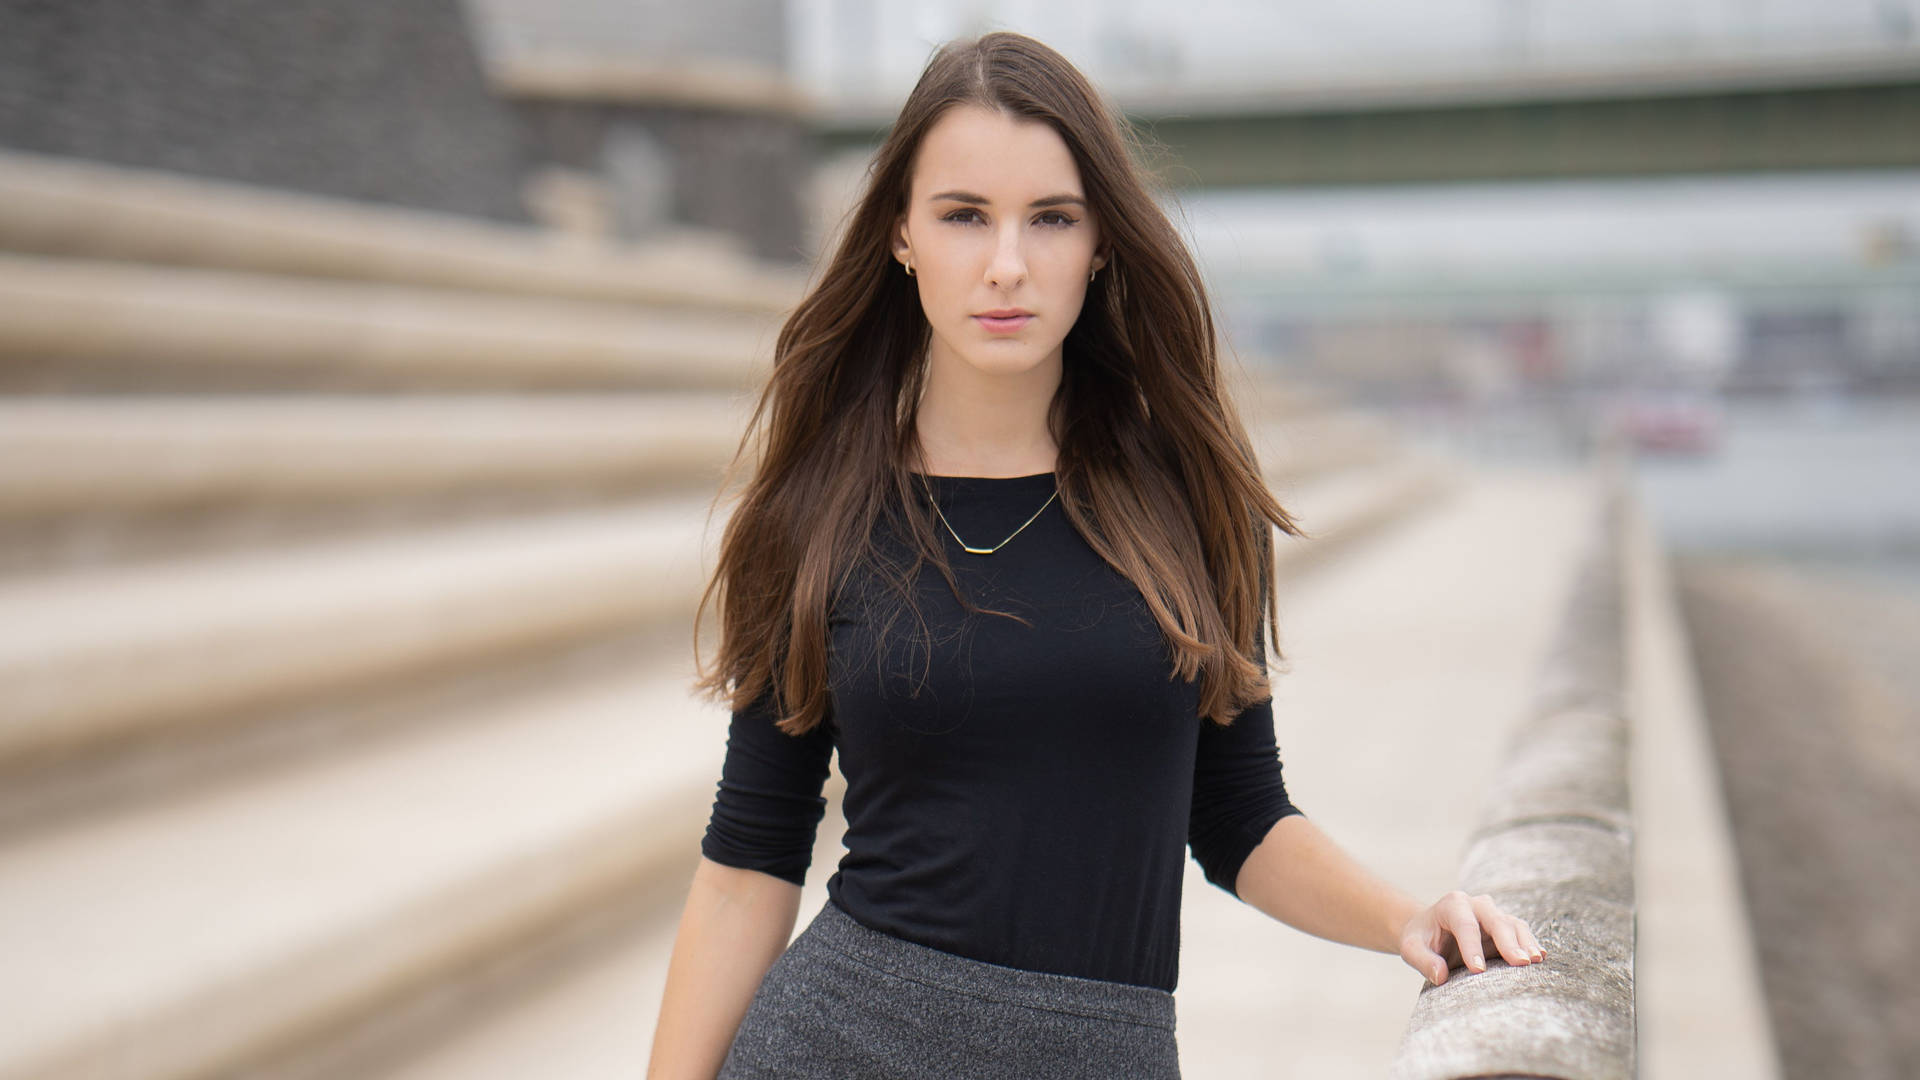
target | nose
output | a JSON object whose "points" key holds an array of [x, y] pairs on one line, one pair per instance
{"points": [[1008, 269]]}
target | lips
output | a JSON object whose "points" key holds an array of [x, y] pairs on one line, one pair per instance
{"points": [[1005, 320]]}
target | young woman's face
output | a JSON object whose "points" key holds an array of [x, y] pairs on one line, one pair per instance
{"points": [[996, 221]]}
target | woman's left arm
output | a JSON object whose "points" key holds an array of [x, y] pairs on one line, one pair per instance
{"points": [[1298, 875]]}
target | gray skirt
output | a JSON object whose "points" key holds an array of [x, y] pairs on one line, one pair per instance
{"points": [[847, 1002]]}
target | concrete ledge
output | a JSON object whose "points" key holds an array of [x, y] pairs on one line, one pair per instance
{"points": [[1568, 765], [1560, 1019], [1585, 666], [58, 206], [1577, 862], [1554, 847]]}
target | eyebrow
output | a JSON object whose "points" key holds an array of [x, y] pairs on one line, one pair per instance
{"points": [[981, 200]]}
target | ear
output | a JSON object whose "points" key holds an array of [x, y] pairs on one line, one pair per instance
{"points": [[1101, 258], [902, 247]]}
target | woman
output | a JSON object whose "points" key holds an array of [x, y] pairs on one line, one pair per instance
{"points": [[1006, 549]]}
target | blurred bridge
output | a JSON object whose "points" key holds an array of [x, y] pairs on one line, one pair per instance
{"points": [[1619, 116]]}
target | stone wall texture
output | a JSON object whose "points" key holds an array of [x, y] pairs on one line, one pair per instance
{"points": [[381, 102]]}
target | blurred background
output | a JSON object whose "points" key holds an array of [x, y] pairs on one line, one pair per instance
{"points": [[367, 373]]}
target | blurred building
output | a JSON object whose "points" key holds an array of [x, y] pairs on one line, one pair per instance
{"points": [[643, 120], [673, 114], [386, 103]]}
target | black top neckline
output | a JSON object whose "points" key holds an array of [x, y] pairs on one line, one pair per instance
{"points": [[1011, 484]]}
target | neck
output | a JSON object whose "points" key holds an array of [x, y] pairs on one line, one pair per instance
{"points": [[975, 423]]}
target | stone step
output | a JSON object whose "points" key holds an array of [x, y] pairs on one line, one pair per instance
{"points": [[1266, 391], [591, 1020], [70, 324], [217, 927], [89, 482], [61, 206], [1300, 445], [63, 455], [97, 658], [1341, 510]]}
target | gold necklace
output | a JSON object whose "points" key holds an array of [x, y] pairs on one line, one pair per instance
{"points": [[1001, 544]]}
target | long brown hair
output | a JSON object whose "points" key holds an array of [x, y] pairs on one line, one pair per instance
{"points": [[1154, 466]]}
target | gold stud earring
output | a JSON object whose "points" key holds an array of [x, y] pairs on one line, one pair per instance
{"points": [[1090, 274], [909, 269]]}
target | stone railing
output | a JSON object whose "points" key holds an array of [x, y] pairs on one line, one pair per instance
{"points": [[1555, 847]]}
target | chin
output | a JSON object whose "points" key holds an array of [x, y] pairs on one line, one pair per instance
{"points": [[1005, 358]]}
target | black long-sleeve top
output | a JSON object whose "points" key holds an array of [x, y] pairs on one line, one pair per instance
{"points": [[1033, 804]]}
